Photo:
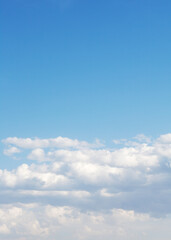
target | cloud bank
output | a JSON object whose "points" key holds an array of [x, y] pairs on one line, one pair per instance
{"points": [[70, 189]]}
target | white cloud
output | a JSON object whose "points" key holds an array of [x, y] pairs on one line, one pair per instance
{"points": [[59, 142], [102, 189], [10, 151], [31, 221], [142, 138], [94, 173], [105, 193], [75, 194], [166, 138], [37, 154], [4, 229], [26, 175]]}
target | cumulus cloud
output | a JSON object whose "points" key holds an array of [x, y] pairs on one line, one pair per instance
{"points": [[86, 183], [33, 176], [35, 221]]}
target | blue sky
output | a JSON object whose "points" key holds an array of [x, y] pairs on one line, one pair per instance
{"points": [[84, 69], [85, 119]]}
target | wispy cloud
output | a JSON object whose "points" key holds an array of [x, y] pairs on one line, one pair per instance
{"points": [[59, 142]]}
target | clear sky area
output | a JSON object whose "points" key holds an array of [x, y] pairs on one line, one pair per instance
{"points": [[85, 69], [85, 93]]}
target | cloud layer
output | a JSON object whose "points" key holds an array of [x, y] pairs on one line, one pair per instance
{"points": [[87, 188]]}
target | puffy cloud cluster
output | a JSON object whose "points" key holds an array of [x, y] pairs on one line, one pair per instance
{"points": [[94, 189], [36, 221]]}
